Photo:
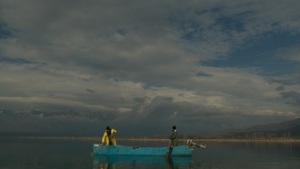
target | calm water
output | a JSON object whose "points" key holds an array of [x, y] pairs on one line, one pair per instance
{"points": [[68, 154]]}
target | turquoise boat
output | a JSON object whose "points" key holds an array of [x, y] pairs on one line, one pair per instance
{"points": [[121, 150]]}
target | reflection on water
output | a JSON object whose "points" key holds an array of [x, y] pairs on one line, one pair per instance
{"points": [[116, 162]]}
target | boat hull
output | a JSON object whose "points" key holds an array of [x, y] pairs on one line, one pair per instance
{"points": [[99, 149]]}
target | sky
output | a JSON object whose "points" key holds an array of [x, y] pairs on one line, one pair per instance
{"points": [[75, 67]]}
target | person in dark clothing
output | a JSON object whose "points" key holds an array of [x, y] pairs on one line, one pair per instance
{"points": [[174, 137]]}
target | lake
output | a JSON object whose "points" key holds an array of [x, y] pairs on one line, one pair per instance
{"points": [[77, 154]]}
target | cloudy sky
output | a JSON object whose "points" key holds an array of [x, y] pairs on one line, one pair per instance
{"points": [[143, 66]]}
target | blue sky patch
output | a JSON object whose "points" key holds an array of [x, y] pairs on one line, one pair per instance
{"points": [[262, 55], [4, 31], [14, 60]]}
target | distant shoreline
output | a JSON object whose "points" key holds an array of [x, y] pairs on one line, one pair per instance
{"points": [[203, 140]]}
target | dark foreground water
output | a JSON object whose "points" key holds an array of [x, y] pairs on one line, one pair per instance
{"points": [[75, 154]]}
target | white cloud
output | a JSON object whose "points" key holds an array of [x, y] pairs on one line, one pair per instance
{"points": [[292, 53], [97, 55]]}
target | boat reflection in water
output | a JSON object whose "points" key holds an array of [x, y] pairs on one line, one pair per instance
{"points": [[117, 162]]}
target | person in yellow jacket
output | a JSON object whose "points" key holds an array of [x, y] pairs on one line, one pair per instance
{"points": [[109, 136]]}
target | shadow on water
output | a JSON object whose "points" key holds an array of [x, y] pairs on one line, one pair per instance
{"points": [[115, 162]]}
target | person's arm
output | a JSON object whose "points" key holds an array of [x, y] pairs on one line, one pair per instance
{"points": [[174, 135], [103, 137], [113, 132]]}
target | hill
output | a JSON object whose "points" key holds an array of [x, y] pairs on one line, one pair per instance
{"points": [[286, 129]]}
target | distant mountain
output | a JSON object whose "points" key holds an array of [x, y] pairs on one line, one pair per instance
{"points": [[286, 129], [276, 126]]}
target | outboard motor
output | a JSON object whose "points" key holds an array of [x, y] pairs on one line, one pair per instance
{"points": [[192, 144]]}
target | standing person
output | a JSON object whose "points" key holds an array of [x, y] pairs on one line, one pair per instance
{"points": [[173, 142], [174, 137], [109, 136]]}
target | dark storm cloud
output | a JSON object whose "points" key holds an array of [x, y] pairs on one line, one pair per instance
{"points": [[292, 97], [67, 123], [280, 88], [157, 117], [4, 31], [292, 80], [90, 90]]}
